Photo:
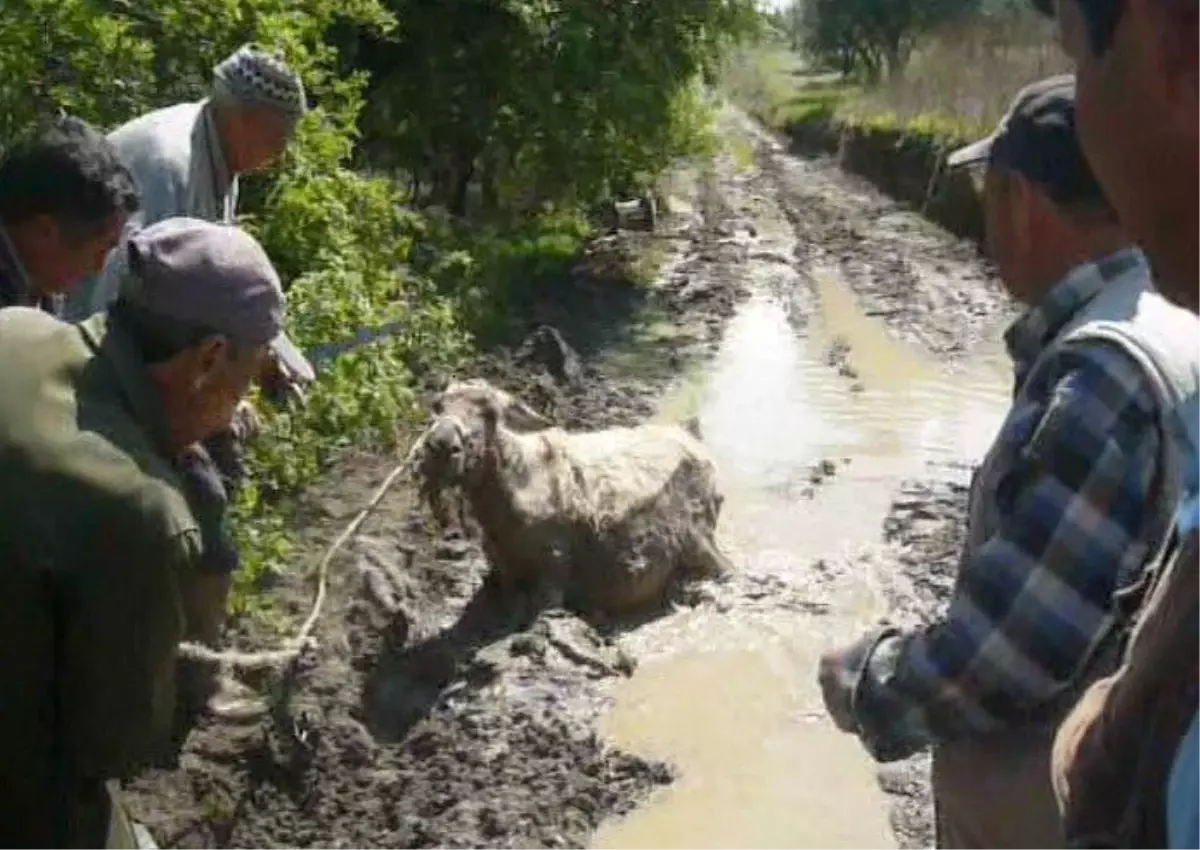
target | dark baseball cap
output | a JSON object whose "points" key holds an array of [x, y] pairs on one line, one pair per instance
{"points": [[215, 278], [1037, 140]]}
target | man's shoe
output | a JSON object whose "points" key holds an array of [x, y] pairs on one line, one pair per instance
{"points": [[233, 701]]}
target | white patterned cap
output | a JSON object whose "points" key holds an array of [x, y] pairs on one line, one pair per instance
{"points": [[253, 76]]}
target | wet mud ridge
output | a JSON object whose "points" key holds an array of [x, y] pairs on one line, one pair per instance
{"points": [[925, 530], [940, 294], [430, 714]]}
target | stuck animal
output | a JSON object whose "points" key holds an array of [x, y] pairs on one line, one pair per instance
{"points": [[605, 521]]}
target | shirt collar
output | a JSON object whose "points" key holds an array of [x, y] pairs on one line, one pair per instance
{"points": [[109, 339], [222, 178], [1031, 332]]}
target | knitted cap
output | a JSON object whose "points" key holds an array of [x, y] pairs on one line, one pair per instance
{"points": [[253, 76]]}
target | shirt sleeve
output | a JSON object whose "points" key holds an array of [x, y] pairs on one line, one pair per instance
{"points": [[1035, 596], [122, 622]]}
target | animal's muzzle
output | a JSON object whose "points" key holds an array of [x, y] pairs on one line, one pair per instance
{"points": [[444, 455]]}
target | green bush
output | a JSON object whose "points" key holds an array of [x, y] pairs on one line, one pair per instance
{"points": [[547, 105]]}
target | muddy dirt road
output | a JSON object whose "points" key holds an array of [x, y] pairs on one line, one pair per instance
{"points": [[841, 355]]}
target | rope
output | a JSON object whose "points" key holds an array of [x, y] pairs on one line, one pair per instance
{"points": [[292, 649]]}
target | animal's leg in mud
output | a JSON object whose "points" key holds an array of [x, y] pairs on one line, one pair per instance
{"points": [[550, 589], [460, 501], [497, 580], [435, 500]]}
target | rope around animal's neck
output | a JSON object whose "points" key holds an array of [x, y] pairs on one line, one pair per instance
{"points": [[292, 649]]}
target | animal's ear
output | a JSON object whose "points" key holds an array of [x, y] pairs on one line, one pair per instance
{"points": [[435, 401], [521, 417]]}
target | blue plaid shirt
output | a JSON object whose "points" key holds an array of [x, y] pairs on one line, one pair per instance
{"points": [[1062, 524], [1188, 517]]}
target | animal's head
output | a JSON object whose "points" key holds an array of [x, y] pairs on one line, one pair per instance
{"points": [[465, 417]]}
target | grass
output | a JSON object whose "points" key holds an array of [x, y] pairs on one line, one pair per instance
{"points": [[775, 85], [956, 86]]}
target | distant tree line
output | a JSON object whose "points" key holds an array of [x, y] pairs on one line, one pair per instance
{"points": [[875, 38]]}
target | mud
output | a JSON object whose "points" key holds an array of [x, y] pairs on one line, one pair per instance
{"points": [[430, 715], [925, 529]]}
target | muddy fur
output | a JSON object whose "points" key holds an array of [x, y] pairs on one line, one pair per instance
{"points": [[607, 520]]}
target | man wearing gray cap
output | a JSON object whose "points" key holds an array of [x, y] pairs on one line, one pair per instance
{"points": [[98, 538], [186, 160], [1077, 491]]}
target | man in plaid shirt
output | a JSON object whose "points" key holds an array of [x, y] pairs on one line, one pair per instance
{"points": [[1077, 492]]}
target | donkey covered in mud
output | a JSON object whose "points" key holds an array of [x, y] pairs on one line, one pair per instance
{"points": [[605, 521]]}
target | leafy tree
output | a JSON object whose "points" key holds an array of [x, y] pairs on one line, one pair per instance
{"points": [[538, 100], [872, 37]]}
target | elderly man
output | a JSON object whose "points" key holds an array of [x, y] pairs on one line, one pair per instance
{"points": [[64, 199], [1125, 761], [98, 536], [1078, 490], [187, 159]]}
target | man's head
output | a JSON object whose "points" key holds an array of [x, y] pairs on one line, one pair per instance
{"points": [[1044, 211], [205, 307], [1139, 87], [258, 100], [64, 199]]}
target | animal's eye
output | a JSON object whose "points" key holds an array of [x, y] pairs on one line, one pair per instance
{"points": [[456, 450]]}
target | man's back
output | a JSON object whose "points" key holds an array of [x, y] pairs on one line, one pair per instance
{"points": [[175, 157], [94, 539]]}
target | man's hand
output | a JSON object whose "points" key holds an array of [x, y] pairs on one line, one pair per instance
{"points": [[245, 424], [279, 387], [837, 689]]}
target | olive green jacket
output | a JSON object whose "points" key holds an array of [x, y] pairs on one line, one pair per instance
{"points": [[94, 537]]}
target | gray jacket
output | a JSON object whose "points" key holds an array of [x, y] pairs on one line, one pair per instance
{"points": [[176, 158]]}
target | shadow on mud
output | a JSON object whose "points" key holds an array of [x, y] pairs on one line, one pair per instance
{"points": [[407, 681]]}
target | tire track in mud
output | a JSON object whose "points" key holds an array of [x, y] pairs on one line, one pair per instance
{"points": [[926, 286]]}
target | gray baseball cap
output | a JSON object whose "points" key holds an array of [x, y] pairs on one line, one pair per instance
{"points": [[1037, 139], [213, 278]]}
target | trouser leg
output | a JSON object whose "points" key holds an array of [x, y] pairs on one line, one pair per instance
{"points": [[202, 687], [995, 792]]}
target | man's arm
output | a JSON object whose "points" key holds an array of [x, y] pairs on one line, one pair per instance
{"points": [[1033, 598], [122, 623], [1113, 753]]}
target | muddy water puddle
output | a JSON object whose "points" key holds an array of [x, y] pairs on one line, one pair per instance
{"points": [[815, 415]]}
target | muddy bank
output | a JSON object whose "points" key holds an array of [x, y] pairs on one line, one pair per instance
{"points": [[927, 286], [430, 714], [907, 164]]}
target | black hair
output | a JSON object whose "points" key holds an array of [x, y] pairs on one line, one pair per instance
{"points": [[1101, 18], [67, 170]]}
